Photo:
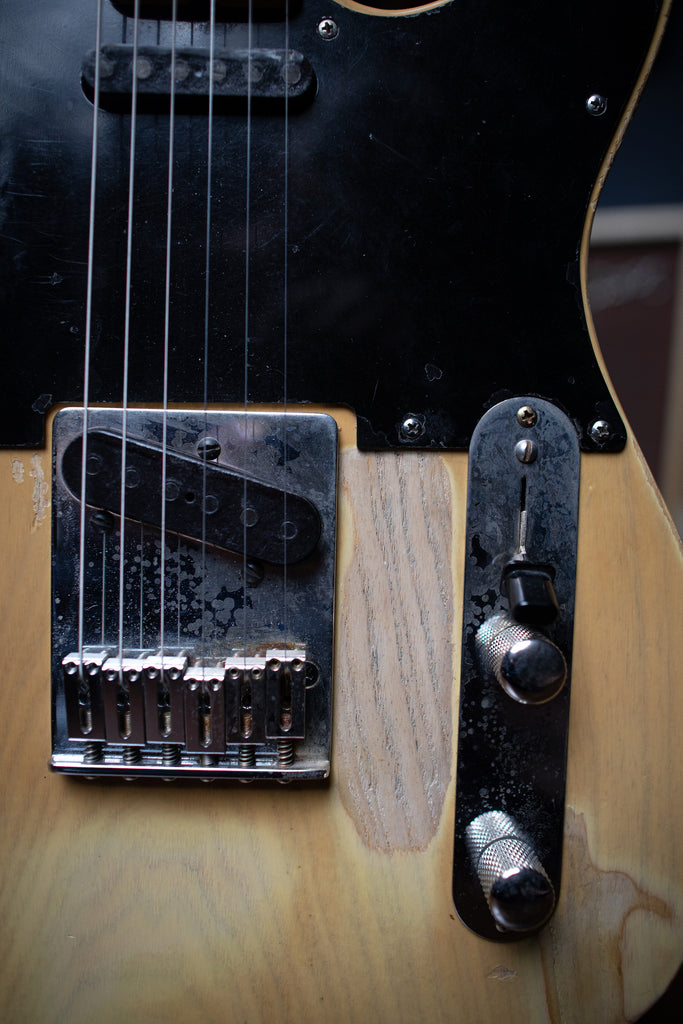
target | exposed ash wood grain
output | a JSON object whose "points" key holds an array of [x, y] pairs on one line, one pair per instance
{"points": [[395, 675]]}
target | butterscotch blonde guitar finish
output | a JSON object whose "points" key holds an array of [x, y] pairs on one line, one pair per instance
{"points": [[333, 904]]}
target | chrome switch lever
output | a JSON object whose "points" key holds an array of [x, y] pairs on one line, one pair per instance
{"points": [[518, 891]]}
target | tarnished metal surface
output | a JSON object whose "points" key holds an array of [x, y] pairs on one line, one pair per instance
{"points": [[241, 655], [512, 755]]}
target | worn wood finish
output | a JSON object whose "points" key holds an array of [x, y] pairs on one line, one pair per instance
{"points": [[249, 904]]}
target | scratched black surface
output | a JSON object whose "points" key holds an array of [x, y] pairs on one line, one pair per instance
{"points": [[437, 189]]}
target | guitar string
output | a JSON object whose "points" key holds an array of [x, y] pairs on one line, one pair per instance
{"points": [[207, 314], [285, 302], [247, 263], [167, 321], [88, 336], [126, 332]]}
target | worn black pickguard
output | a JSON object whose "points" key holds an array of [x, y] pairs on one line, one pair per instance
{"points": [[438, 184]]}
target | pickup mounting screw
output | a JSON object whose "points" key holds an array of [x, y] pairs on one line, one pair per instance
{"points": [[526, 416], [328, 28], [596, 105], [208, 449], [412, 428], [103, 521], [255, 572], [600, 431]]}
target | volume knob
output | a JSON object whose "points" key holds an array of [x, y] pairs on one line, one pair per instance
{"points": [[517, 889], [529, 667]]}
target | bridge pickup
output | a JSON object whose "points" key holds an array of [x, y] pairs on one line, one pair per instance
{"points": [[207, 503], [263, 75]]}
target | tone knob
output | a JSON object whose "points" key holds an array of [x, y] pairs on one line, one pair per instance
{"points": [[517, 889], [529, 667]]}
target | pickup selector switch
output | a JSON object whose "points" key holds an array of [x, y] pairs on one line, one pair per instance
{"points": [[530, 667]]}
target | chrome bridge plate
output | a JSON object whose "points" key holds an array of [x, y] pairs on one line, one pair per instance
{"points": [[174, 655]]}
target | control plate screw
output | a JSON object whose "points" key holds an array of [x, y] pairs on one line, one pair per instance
{"points": [[328, 28], [526, 416], [526, 451]]}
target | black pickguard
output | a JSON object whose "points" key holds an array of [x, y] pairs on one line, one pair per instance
{"points": [[438, 184]]}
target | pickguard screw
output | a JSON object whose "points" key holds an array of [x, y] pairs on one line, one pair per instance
{"points": [[526, 416], [208, 449], [526, 451], [327, 28], [596, 105], [412, 428], [600, 431]]}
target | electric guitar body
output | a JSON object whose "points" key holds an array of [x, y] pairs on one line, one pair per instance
{"points": [[397, 225]]}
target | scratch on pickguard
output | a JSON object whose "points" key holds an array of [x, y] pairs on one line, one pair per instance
{"points": [[18, 471], [41, 500]]}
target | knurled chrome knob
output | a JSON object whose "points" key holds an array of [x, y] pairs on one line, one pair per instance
{"points": [[529, 667], [517, 889]]}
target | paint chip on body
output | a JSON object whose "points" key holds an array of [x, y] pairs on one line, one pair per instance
{"points": [[41, 501], [501, 973], [18, 471]]}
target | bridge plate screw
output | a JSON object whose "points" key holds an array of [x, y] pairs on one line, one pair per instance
{"points": [[526, 416], [600, 431], [327, 28], [412, 428], [596, 105]]}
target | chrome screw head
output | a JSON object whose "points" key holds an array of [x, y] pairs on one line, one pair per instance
{"points": [[208, 449], [526, 416], [526, 451], [328, 28], [600, 431], [255, 572], [412, 428], [596, 105]]}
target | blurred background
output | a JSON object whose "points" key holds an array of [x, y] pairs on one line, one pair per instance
{"points": [[635, 270]]}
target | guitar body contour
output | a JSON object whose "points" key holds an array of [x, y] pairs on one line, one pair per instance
{"points": [[333, 902]]}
